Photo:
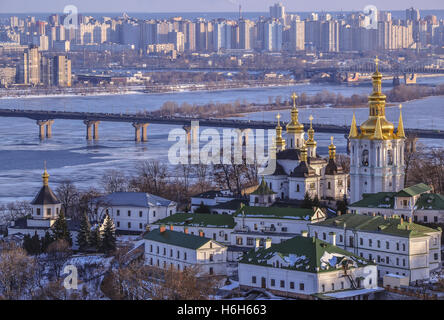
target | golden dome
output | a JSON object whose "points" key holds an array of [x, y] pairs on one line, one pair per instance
{"points": [[368, 128], [280, 142], [332, 150], [311, 141], [294, 126], [377, 126], [45, 176]]}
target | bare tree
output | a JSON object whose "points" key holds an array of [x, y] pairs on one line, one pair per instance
{"points": [[58, 252], [202, 171], [152, 177], [139, 282], [114, 181], [69, 197], [89, 202], [17, 273], [185, 171]]}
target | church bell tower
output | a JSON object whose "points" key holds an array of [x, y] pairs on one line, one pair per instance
{"points": [[377, 151]]}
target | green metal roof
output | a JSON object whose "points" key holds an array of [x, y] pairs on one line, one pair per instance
{"points": [[386, 199], [199, 220], [307, 255], [389, 226], [430, 201], [383, 200], [414, 190], [276, 213], [175, 238]]}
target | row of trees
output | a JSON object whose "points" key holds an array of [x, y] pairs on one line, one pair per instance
{"points": [[59, 231], [136, 281], [97, 238], [425, 165]]}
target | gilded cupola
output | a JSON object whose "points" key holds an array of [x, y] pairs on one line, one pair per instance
{"points": [[311, 141], [377, 126], [280, 142], [294, 126]]}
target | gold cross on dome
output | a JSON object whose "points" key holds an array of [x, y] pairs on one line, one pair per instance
{"points": [[278, 116], [377, 62], [400, 106], [294, 96], [332, 138]]}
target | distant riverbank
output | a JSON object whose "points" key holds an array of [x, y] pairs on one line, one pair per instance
{"points": [[139, 89]]}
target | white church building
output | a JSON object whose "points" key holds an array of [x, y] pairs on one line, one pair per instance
{"points": [[377, 151], [300, 170]]}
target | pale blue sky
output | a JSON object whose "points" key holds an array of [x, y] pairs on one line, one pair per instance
{"points": [[24, 6]]}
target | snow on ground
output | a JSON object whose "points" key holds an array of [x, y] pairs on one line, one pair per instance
{"points": [[232, 286], [436, 277], [395, 275], [352, 293]]}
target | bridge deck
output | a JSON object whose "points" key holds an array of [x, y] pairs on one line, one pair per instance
{"points": [[167, 120]]}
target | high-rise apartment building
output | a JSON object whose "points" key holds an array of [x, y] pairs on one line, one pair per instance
{"points": [[246, 34], [297, 35], [273, 36], [412, 14], [29, 66], [222, 36], [277, 11], [330, 36], [61, 71]]}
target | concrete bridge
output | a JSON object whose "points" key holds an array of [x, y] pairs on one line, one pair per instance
{"points": [[141, 121]]}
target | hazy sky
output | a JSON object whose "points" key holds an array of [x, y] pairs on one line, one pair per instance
{"points": [[24, 6]]}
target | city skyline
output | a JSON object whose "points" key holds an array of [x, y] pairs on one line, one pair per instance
{"points": [[114, 6]]}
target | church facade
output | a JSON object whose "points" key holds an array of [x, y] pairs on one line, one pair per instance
{"points": [[377, 151], [300, 170]]}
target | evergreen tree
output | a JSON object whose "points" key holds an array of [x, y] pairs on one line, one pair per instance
{"points": [[32, 244], [308, 202], [316, 203], [109, 235], [46, 241], [202, 209], [60, 228], [84, 235], [95, 239], [35, 244], [342, 205], [27, 243]]}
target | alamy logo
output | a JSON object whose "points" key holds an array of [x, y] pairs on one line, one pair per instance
{"points": [[371, 17], [72, 17], [234, 147], [71, 280]]}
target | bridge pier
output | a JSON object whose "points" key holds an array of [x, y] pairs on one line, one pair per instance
{"points": [[348, 143], [192, 135], [45, 124], [242, 138], [140, 128], [92, 129]]}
